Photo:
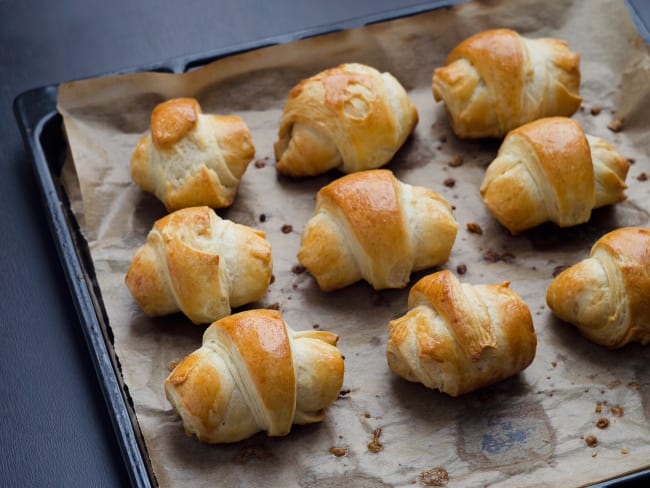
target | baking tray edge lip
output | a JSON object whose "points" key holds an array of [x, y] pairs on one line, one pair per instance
{"points": [[31, 124]]}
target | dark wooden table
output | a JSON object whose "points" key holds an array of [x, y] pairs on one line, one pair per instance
{"points": [[54, 425]]}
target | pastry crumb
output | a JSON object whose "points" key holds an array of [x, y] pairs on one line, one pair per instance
{"points": [[591, 440], [274, 306], [599, 407], [287, 228], [616, 125], [624, 450], [594, 454], [461, 269], [434, 477], [253, 452], [617, 410], [338, 451], [450, 182], [374, 445], [494, 257], [262, 217], [602, 423], [298, 269], [474, 228], [595, 110], [642, 176], [315, 326], [631, 160], [456, 161], [344, 392], [259, 163]]}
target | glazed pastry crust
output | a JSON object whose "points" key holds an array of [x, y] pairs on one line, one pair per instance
{"points": [[192, 159], [197, 263], [351, 117], [498, 80], [607, 296], [550, 170], [254, 373], [460, 337], [371, 226]]}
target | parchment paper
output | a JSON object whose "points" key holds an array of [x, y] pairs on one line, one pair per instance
{"points": [[526, 431]]}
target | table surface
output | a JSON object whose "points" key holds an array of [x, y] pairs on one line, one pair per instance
{"points": [[54, 424]]}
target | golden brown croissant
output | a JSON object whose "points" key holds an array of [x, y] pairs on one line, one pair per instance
{"points": [[549, 170], [350, 117], [607, 296], [371, 226], [458, 337], [497, 80], [254, 373], [191, 159], [199, 264]]}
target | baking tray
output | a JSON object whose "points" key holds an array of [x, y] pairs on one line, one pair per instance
{"points": [[41, 127]]}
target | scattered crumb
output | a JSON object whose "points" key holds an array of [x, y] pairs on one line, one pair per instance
{"points": [[617, 411], [591, 440], [315, 326], [551, 393], [634, 386], [624, 450], [298, 268], [599, 407], [494, 257], [594, 454], [461, 269], [474, 228], [642, 177], [554, 364], [366, 415], [614, 384], [287, 228], [173, 364], [259, 163], [616, 125], [558, 269], [595, 110], [456, 161], [338, 451], [631, 160], [450, 182], [344, 392], [254, 452], [274, 306], [602, 423], [262, 217], [434, 477], [374, 445]]}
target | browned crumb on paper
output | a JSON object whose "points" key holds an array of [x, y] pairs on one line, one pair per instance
{"points": [[595, 110], [614, 384], [602, 423], [338, 451], [450, 182], [274, 306], [599, 407], [344, 392], [625, 450], [631, 160], [262, 217], [272, 279], [558, 269], [456, 161], [461, 269], [616, 125], [252, 452], [617, 410], [474, 228], [315, 326], [591, 440], [494, 257], [642, 176], [633, 385], [287, 228], [434, 477], [374, 445], [594, 454], [259, 163], [298, 269]]}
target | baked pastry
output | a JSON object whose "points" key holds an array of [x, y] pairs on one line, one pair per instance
{"points": [[497, 80], [371, 226], [460, 337], [607, 296], [254, 373], [351, 118], [199, 264], [549, 170], [191, 159]]}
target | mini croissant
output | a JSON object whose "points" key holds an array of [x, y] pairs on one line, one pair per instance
{"points": [[459, 337], [371, 226], [351, 118], [254, 373], [199, 264], [549, 170], [191, 159], [607, 296], [498, 80]]}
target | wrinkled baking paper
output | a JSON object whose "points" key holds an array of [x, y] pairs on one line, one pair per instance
{"points": [[526, 431]]}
